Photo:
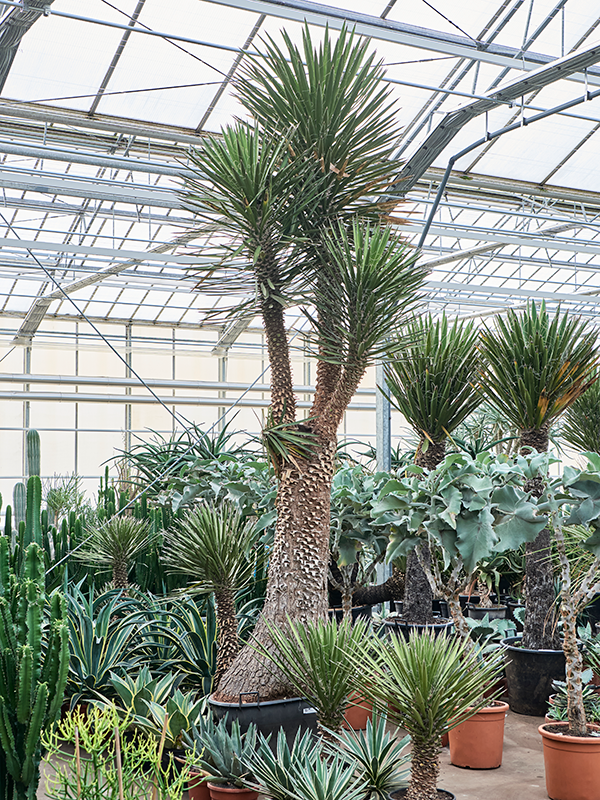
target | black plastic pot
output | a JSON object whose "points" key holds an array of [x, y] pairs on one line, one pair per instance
{"points": [[529, 676], [443, 794], [399, 606], [269, 715], [400, 628], [440, 607], [512, 605], [358, 612], [479, 612]]}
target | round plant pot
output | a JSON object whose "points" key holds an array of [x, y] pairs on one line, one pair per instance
{"points": [[440, 607], [512, 607], [399, 606], [220, 791], [269, 715], [358, 612], [572, 764], [529, 676], [358, 712], [400, 628], [443, 794], [477, 742], [198, 786], [479, 612]]}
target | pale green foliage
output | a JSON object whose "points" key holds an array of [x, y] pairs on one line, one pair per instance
{"points": [[382, 759], [466, 509], [319, 660], [225, 755], [581, 426], [184, 709]]}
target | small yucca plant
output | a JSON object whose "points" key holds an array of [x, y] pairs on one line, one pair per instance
{"points": [[114, 544], [428, 686], [319, 659]]}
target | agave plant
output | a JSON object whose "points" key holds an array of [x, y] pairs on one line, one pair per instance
{"points": [[100, 642], [276, 773], [428, 686], [114, 544], [383, 760], [136, 692], [214, 545], [225, 755], [319, 660], [537, 366]]}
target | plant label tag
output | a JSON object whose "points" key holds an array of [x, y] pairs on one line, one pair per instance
{"points": [[309, 710]]}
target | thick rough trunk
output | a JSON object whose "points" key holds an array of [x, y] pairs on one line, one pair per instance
{"points": [[539, 629], [297, 582], [425, 768], [392, 589], [227, 641], [418, 596]]}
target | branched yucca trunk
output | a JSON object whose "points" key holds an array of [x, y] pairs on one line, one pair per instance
{"points": [[539, 631], [424, 771], [297, 580]]}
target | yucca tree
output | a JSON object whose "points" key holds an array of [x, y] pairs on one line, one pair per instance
{"points": [[427, 686], [214, 545], [298, 194], [537, 366], [114, 545], [581, 426], [434, 384]]}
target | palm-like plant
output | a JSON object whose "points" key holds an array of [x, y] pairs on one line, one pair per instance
{"points": [[300, 193], [214, 545], [581, 426], [537, 366], [319, 661], [434, 384], [430, 686], [114, 544]]}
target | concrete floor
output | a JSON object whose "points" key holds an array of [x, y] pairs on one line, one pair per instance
{"points": [[521, 776]]}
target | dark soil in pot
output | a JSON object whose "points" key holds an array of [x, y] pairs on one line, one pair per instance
{"points": [[443, 794], [529, 676]]}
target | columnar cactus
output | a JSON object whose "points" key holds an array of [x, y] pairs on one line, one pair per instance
{"points": [[33, 669]]}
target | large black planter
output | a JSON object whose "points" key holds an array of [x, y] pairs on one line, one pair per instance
{"points": [[479, 612], [400, 628], [269, 715], [358, 612], [529, 676]]}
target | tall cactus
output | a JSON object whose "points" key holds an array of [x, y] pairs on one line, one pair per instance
{"points": [[19, 502], [33, 452], [34, 661]]}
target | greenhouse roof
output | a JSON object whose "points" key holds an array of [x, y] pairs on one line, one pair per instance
{"points": [[102, 100]]}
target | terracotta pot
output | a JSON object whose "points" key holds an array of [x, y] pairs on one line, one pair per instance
{"points": [[358, 712], [198, 787], [219, 791], [477, 742], [572, 764]]}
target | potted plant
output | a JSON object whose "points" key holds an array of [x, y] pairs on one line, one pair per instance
{"points": [[305, 771], [319, 659], [224, 756], [428, 686], [434, 385], [572, 748]]}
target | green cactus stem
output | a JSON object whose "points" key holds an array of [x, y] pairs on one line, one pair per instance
{"points": [[33, 452]]}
